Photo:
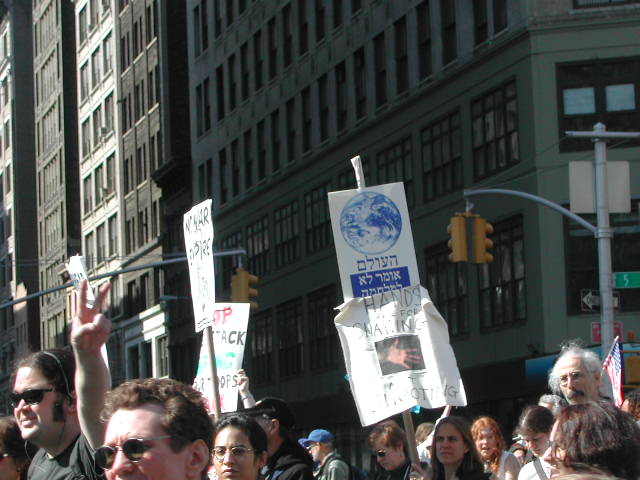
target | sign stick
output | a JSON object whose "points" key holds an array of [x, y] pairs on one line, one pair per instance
{"points": [[357, 166], [214, 373], [411, 436]]}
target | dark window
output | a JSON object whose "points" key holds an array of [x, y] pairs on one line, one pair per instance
{"points": [[424, 39], [480, 25], [380, 65], [395, 164], [162, 347], [231, 75], [222, 158], [323, 107], [582, 258], [230, 263], [229, 10], [360, 83], [356, 5], [262, 150], [290, 344], [244, 71], [273, 48], [495, 131], [261, 335], [341, 96], [599, 91], [287, 36], [447, 283], [248, 160], [402, 59], [448, 26], [291, 130], [203, 108], [324, 347], [286, 231], [306, 119], [316, 218], [217, 18], [441, 145], [235, 169], [502, 292], [320, 20], [257, 59], [303, 27], [500, 19], [337, 13], [275, 140], [599, 3], [258, 246], [220, 91]]}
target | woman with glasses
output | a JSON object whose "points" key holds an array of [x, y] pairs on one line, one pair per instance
{"points": [[594, 435], [534, 427], [491, 446], [388, 443], [453, 452], [15, 453], [239, 448]]}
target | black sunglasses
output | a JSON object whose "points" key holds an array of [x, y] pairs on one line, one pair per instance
{"points": [[30, 397], [381, 453], [133, 449]]}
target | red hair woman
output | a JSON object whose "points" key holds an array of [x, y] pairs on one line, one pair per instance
{"points": [[491, 447]]}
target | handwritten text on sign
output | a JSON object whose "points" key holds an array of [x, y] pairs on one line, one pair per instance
{"points": [[198, 239]]}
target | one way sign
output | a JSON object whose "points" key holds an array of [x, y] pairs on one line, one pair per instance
{"points": [[590, 300]]}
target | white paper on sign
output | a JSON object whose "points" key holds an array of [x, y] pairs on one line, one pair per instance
{"points": [[229, 338], [77, 269], [198, 239], [373, 240], [397, 354]]}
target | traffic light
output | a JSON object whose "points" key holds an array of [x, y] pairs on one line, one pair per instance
{"points": [[457, 231], [243, 288], [482, 228]]}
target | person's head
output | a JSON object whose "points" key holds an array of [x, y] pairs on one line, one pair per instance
{"points": [[158, 428], [388, 443], [319, 444], [276, 418], [453, 449], [631, 403], [42, 398], [239, 448], [489, 441], [576, 374], [15, 453], [595, 434], [422, 431], [535, 427], [551, 402]]}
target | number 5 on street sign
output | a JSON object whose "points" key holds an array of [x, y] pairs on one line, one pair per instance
{"points": [[626, 280]]}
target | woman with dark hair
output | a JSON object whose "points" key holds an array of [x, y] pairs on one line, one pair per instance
{"points": [[534, 427], [491, 446], [15, 453], [388, 443], [631, 404], [453, 452], [595, 434], [239, 448]]}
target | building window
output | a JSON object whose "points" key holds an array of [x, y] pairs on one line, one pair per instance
{"points": [[291, 130], [96, 74], [402, 59], [231, 75], [448, 27], [502, 292], [261, 335], [320, 20], [337, 13], [113, 235], [88, 194], [258, 244], [599, 91], [89, 250], [230, 263], [303, 27], [424, 39], [447, 283], [380, 66], [341, 96], [222, 177], [203, 108], [162, 350], [244, 71], [257, 59], [305, 97], [220, 92], [217, 18], [235, 169], [599, 3], [360, 83], [83, 24], [582, 258], [500, 19], [108, 114], [98, 177], [110, 183], [323, 108], [290, 343], [480, 24], [316, 219], [248, 160], [262, 150], [495, 131], [324, 346], [200, 28], [441, 146], [286, 225], [275, 140], [84, 81], [229, 10], [287, 36], [395, 164], [273, 48], [101, 243], [86, 138]]}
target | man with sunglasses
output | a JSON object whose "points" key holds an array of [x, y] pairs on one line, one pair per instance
{"points": [[319, 444], [57, 406]]}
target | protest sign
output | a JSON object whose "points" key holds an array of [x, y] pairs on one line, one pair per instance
{"points": [[77, 270], [373, 240], [229, 337], [198, 239], [397, 354]]}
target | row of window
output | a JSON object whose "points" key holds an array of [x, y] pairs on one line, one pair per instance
{"points": [[97, 127], [140, 230], [139, 165], [45, 29], [102, 243], [99, 65], [89, 18], [136, 104], [99, 185], [144, 31]]}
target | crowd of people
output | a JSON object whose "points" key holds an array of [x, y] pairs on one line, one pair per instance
{"points": [[68, 424]]}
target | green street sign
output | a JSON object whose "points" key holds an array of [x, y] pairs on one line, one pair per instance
{"points": [[626, 280]]}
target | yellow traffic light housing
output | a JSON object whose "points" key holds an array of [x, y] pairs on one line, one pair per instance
{"points": [[243, 288], [457, 231], [481, 244]]}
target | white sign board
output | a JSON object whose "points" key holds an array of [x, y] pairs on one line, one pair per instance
{"points": [[77, 270], [198, 239], [374, 244], [229, 338], [582, 198], [397, 354]]}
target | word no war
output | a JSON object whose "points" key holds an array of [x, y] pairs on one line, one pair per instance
{"points": [[197, 220]]}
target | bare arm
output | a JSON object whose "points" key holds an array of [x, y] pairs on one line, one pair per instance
{"points": [[90, 331], [243, 389], [511, 468]]}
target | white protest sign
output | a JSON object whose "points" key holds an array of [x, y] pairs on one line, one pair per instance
{"points": [[77, 270], [198, 239], [397, 354], [374, 244], [229, 337]]}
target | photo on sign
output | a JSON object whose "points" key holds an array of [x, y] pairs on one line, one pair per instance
{"points": [[400, 354]]}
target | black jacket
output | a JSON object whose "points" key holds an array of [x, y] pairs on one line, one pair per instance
{"points": [[290, 462]]}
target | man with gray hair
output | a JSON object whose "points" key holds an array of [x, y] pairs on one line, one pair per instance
{"points": [[576, 374]]}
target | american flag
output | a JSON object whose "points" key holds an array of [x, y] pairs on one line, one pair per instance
{"points": [[613, 365]]}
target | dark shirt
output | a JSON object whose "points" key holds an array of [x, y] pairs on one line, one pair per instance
{"points": [[74, 463], [289, 462]]}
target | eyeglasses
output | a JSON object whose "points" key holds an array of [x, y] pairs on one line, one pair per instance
{"points": [[237, 451], [311, 445], [381, 453], [564, 379], [133, 449], [30, 397]]}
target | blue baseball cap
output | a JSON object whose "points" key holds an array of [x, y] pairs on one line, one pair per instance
{"points": [[318, 435]]}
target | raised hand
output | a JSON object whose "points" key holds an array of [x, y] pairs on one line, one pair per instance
{"points": [[90, 329]]}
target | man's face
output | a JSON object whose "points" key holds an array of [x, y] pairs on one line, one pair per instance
{"points": [[576, 383], [159, 461], [36, 420]]}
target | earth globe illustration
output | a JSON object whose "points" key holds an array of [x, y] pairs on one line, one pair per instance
{"points": [[370, 223]]}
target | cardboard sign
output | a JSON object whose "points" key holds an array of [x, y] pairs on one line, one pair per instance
{"points": [[373, 240], [230, 322], [397, 354], [198, 239]]}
